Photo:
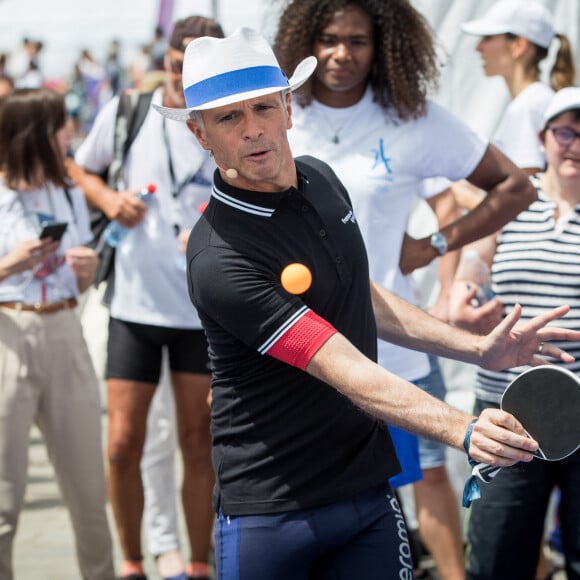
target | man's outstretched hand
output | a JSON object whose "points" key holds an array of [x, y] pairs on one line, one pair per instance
{"points": [[511, 344]]}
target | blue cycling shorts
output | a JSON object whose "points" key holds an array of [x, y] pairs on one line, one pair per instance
{"points": [[362, 537]]}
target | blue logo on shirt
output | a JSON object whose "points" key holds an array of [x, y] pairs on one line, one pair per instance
{"points": [[380, 157], [44, 219]]}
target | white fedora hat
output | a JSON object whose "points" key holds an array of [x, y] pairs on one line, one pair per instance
{"points": [[222, 71], [526, 18]]}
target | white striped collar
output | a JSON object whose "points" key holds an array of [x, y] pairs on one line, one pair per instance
{"points": [[241, 205]]}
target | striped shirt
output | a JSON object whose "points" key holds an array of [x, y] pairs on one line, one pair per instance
{"points": [[537, 265]]}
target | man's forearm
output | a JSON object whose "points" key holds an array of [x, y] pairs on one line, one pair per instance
{"points": [[497, 438], [406, 325], [386, 396]]}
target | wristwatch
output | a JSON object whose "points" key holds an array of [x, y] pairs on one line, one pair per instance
{"points": [[439, 242]]}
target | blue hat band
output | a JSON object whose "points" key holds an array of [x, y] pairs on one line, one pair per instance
{"points": [[234, 83]]}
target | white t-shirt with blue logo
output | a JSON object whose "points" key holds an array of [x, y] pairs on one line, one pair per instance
{"points": [[382, 161]]}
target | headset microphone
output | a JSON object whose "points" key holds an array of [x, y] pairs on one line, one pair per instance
{"points": [[231, 173]]}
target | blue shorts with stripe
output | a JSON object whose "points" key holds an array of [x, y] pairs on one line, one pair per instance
{"points": [[362, 537]]}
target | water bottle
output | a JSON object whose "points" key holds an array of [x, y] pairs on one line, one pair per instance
{"points": [[474, 269], [115, 232]]}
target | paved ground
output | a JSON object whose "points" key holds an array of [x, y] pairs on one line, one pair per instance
{"points": [[44, 548]]}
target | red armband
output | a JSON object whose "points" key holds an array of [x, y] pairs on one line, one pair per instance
{"points": [[301, 340]]}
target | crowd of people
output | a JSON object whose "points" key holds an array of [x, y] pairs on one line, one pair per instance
{"points": [[93, 80], [297, 414]]}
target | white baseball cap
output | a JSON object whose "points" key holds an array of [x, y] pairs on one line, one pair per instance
{"points": [[526, 18], [564, 100], [222, 71]]}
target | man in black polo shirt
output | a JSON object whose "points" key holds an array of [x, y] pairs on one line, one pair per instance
{"points": [[300, 451]]}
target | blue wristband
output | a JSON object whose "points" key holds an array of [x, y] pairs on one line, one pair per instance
{"points": [[467, 438], [471, 489]]}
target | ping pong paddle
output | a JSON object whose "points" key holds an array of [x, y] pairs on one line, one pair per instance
{"points": [[546, 401]]}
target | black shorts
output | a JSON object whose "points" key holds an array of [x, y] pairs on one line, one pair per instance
{"points": [[134, 351]]}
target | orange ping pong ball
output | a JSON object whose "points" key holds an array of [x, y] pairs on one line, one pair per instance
{"points": [[296, 278]]}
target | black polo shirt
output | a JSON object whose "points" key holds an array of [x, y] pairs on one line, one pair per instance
{"points": [[283, 440]]}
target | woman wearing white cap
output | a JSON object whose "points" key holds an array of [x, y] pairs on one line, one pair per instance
{"points": [[516, 36], [535, 262]]}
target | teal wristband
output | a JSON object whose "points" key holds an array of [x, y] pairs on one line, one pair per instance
{"points": [[467, 438]]}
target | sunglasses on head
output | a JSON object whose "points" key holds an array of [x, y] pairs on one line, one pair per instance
{"points": [[564, 136]]}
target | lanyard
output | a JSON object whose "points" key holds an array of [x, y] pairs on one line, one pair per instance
{"points": [[176, 186], [47, 273]]}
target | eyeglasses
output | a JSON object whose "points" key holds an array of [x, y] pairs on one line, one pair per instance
{"points": [[564, 136]]}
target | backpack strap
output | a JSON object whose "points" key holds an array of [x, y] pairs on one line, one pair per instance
{"points": [[139, 112], [131, 112]]}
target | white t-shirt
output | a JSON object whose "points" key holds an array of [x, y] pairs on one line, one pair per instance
{"points": [[150, 283], [517, 133], [21, 217], [382, 161]]}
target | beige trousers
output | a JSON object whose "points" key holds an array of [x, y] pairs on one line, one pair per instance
{"points": [[47, 378]]}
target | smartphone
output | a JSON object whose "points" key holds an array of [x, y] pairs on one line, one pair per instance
{"points": [[54, 230]]}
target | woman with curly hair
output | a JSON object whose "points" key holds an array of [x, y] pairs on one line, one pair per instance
{"points": [[367, 114], [401, 37]]}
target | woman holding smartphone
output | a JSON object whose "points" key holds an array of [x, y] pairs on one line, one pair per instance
{"points": [[46, 373]]}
